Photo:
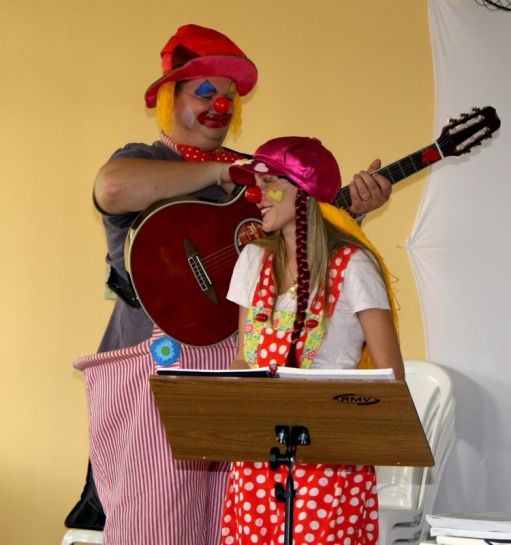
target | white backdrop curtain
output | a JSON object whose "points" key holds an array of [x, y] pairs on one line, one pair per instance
{"points": [[461, 254]]}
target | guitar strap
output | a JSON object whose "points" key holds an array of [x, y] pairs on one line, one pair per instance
{"points": [[124, 291]]}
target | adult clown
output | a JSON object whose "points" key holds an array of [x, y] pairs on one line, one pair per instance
{"points": [[147, 496]]}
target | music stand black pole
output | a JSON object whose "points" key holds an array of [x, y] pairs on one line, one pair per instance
{"points": [[291, 437]]}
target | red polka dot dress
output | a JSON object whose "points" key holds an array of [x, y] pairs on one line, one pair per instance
{"points": [[335, 504]]}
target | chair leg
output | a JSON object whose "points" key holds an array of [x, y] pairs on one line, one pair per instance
{"points": [[83, 536]]}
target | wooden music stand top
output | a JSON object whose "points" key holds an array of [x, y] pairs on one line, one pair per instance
{"points": [[349, 421]]}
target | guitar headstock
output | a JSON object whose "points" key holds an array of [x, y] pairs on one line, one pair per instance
{"points": [[468, 130]]}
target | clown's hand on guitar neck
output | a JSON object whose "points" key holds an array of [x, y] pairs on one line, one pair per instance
{"points": [[369, 190]]}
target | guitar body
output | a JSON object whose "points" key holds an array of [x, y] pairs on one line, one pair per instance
{"points": [[180, 254]]}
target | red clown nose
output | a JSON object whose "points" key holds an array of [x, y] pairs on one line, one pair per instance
{"points": [[222, 105], [253, 194]]}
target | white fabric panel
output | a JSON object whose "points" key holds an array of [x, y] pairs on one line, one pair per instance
{"points": [[460, 253]]}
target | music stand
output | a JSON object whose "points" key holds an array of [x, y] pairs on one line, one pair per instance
{"points": [[366, 422]]}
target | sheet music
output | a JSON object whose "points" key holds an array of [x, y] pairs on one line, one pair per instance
{"points": [[338, 374], [284, 373], [233, 373]]}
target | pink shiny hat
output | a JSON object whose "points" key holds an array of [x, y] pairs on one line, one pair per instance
{"points": [[196, 52], [303, 160]]}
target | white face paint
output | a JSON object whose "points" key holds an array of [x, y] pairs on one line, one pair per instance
{"points": [[187, 117]]}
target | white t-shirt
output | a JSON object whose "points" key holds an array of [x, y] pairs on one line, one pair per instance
{"points": [[362, 289]]}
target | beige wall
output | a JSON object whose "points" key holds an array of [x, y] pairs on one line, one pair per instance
{"points": [[357, 74]]}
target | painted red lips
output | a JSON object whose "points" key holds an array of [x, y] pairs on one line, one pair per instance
{"points": [[214, 120]]}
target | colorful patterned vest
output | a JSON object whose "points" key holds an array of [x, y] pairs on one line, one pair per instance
{"points": [[268, 333]]}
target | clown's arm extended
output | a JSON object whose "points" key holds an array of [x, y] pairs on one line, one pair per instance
{"points": [[131, 184]]}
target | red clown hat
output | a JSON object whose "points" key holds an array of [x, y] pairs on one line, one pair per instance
{"points": [[197, 52]]}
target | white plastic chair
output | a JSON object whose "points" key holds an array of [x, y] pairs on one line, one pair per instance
{"points": [[83, 536], [406, 494], [415, 532]]}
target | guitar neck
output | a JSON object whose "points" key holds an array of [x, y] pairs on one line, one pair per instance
{"points": [[397, 171]]}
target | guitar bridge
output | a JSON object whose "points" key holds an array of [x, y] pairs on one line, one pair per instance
{"points": [[199, 271]]}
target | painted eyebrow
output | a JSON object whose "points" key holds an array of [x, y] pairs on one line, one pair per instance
{"points": [[205, 88]]}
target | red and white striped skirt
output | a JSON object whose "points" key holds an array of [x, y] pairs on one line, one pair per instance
{"points": [[149, 498]]}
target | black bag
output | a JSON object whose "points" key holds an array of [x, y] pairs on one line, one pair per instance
{"points": [[88, 512]]}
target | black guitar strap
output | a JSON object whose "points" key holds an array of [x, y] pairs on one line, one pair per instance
{"points": [[123, 290]]}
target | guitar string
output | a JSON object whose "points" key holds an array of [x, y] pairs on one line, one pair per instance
{"points": [[220, 264], [225, 266], [219, 259], [217, 253]]}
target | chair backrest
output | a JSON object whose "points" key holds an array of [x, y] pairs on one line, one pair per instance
{"points": [[422, 377], [432, 393]]}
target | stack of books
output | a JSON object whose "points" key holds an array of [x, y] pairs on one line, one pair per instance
{"points": [[470, 528]]}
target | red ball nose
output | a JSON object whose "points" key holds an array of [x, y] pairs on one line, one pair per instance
{"points": [[253, 194], [222, 105]]}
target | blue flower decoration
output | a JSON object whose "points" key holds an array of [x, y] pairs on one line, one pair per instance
{"points": [[165, 351]]}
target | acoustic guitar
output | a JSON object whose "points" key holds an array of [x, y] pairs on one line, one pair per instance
{"points": [[180, 252]]}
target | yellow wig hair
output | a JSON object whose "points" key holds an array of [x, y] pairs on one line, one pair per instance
{"points": [[235, 126], [165, 106]]}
